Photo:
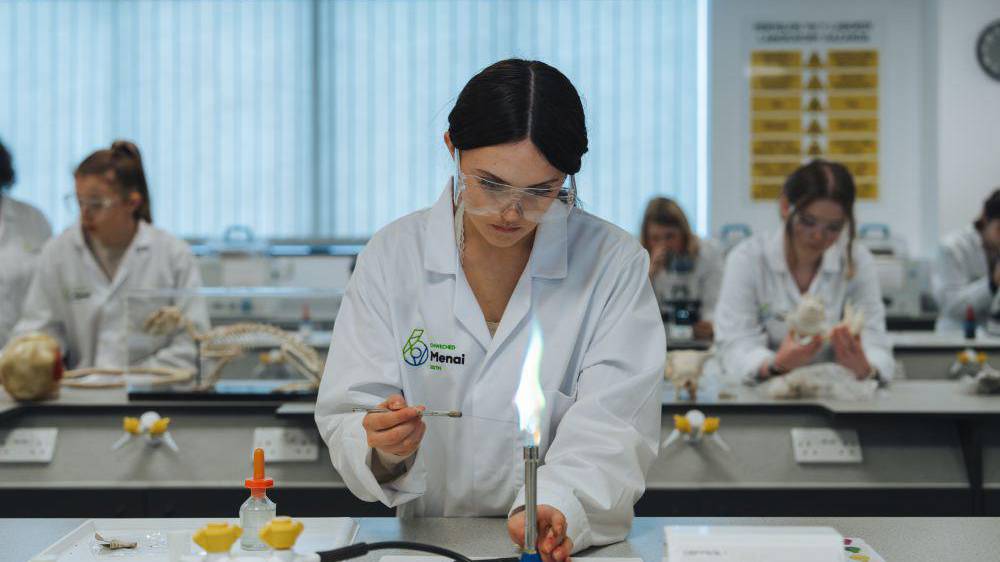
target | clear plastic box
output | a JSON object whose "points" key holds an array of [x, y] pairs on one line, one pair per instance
{"points": [[252, 340]]}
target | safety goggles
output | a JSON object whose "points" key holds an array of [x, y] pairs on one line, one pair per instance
{"points": [[92, 204], [541, 203]]}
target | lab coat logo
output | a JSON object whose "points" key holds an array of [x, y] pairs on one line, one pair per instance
{"points": [[415, 352], [78, 294]]}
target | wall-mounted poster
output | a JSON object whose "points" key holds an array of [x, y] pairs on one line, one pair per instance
{"points": [[814, 93]]}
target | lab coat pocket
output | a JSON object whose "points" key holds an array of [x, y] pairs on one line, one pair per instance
{"points": [[556, 406]]}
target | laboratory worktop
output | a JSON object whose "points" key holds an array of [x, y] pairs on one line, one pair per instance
{"points": [[901, 397], [903, 340], [930, 447], [917, 339], [86, 398], [930, 355], [917, 539], [922, 355]]}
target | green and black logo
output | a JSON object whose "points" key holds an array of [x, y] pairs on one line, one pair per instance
{"points": [[416, 352]]}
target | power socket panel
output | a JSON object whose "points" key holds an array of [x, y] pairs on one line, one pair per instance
{"points": [[28, 445], [287, 444], [825, 445]]}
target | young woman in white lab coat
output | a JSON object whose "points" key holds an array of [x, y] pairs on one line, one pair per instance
{"points": [[439, 311], [680, 264], [84, 275], [967, 270], [812, 254], [23, 231]]}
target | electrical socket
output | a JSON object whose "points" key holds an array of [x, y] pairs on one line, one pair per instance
{"points": [[36, 444], [286, 444], [825, 445]]}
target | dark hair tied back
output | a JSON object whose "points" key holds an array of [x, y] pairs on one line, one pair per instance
{"points": [[991, 210], [7, 175], [821, 179], [121, 165], [516, 99]]}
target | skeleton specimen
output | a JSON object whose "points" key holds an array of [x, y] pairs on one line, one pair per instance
{"points": [[226, 343], [113, 543], [809, 319], [684, 369], [107, 377], [822, 380]]}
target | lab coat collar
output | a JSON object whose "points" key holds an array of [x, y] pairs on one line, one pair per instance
{"points": [[6, 213], [6, 208], [833, 258], [143, 237], [549, 255], [440, 250], [140, 243]]}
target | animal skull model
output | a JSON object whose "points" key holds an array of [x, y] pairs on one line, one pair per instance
{"points": [[854, 319], [684, 369], [809, 319], [31, 367]]}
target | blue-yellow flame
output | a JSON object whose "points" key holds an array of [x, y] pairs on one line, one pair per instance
{"points": [[529, 399]]}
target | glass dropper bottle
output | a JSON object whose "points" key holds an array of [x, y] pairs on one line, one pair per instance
{"points": [[258, 510]]}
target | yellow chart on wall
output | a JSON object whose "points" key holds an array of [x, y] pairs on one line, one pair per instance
{"points": [[813, 102]]}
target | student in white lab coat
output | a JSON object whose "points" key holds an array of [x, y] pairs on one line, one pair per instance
{"points": [[23, 231], [967, 271], [457, 287], [767, 276], [79, 292], [680, 264]]}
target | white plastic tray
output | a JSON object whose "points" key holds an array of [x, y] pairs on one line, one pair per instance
{"points": [[320, 533], [855, 549]]}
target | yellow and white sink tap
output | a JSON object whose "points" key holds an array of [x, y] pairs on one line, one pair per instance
{"points": [[694, 425], [149, 425]]}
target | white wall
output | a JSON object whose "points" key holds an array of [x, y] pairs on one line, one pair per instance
{"points": [[968, 113], [908, 196]]}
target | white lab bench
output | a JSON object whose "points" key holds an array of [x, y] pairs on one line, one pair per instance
{"points": [[930, 448], [928, 355], [910, 539]]}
